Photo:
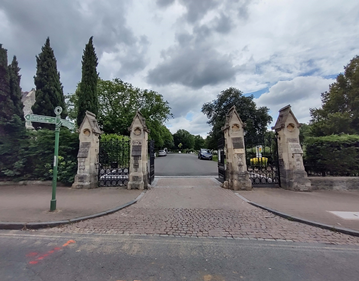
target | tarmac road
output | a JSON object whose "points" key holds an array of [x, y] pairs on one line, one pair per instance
{"points": [[184, 165], [30, 256]]}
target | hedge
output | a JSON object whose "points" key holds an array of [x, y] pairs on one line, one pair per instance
{"points": [[336, 155]]}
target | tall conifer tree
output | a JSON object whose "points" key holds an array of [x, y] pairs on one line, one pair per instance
{"points": [[49, 91], [15, 89], [87, 92], [6, 105], [12, 125]]}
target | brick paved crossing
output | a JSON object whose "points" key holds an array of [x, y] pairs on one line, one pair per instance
{"points": [[200, 208]]}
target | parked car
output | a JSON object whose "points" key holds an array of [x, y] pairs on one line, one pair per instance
{"points": [[204, 154], [162, 153]]}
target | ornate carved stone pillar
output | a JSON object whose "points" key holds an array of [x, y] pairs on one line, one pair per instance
{"points": [[139, 153], [237, 176], [87, 157], [292, 173]]}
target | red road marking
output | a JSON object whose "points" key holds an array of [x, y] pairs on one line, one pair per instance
{"points": [[32, 254]]}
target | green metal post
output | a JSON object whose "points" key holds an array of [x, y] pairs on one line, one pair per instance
{"points": [[58, 111]]}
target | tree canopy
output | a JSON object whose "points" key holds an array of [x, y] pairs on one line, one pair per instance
{"points": [[49, 90], [340, 105], [185, 138], [255, 119], [87, 89], [199, 142]]}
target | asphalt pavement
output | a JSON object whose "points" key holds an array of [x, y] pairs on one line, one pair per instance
{"points": [[29, 256], [175, 165]]}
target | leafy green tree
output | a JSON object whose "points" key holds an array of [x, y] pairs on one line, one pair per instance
{"points": [[12, 125], [255, 119], [87, 90], [49, 90], [199, 142], [119, 102], [185, 138], [340, 105]]}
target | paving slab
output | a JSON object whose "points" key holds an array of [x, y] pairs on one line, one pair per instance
{"points": [[32, 203], [334, 208]]}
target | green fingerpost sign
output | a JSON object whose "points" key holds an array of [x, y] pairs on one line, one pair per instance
{"points": [[58, 122]]}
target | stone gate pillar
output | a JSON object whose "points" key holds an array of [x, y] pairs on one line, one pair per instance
{"points": [[87, 157], [237, 176], [292, 173], [138, 178]]}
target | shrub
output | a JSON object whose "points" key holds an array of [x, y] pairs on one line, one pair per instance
{"points": [[333, 155], [262, 161], [40, 155]]}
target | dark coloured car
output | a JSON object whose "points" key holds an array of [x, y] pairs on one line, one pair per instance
{"points": [[204, 154]]}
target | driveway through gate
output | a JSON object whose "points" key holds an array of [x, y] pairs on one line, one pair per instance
{"points": [[114, 162], [262, 160]]}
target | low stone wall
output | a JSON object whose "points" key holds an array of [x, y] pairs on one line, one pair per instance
{"points": [[334, 183]]}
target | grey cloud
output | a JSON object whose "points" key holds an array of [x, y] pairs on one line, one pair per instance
{"points": [[69, 24], [201, 33], [183, 38], [243, 10], [196, 10], [183, 103], [164, 3], [193, 67], [223, 24], [134, 59]]}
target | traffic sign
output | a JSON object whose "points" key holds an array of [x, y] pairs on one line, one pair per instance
{"points": [[40, 118]]}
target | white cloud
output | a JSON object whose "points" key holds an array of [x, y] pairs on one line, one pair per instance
{"points": [[301, 93]]}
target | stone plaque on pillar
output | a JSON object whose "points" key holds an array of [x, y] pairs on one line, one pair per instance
{"points": [[237, 176], [87, 156], [138, 161], [292, 172]]}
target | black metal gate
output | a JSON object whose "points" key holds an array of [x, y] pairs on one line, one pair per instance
{"points": [[114, 162], [221, 158], [151, 149], [262, 160]]}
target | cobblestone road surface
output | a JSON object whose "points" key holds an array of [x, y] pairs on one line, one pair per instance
{"points": [[187, 207]]}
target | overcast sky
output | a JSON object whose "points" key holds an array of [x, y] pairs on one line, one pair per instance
{"points": [[281, 51]]}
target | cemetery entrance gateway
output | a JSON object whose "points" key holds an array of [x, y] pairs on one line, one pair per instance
{"points": [[114, 162], [262, 159]]}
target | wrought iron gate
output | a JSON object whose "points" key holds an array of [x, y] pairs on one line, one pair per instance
{"points": [[262, 160], [221, 157], [114, 162], [151, 149]]}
